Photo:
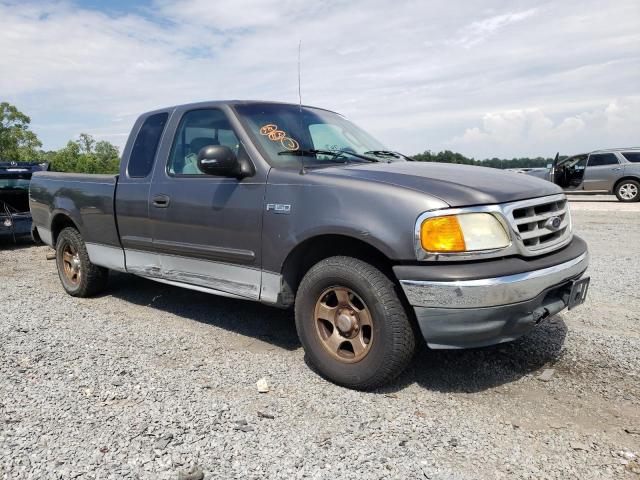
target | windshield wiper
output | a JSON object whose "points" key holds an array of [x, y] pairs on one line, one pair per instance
{"points": [[334, 154], [389, 153]]}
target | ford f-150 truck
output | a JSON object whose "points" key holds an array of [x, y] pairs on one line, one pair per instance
{"points": [[295, 206]]}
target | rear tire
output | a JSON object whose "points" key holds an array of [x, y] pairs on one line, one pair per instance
{"points": [[628, 191], [352, 325], [79, 277]]}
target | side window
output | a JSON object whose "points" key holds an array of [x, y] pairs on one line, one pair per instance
{"points": [[145, 145], [632, 156], [198, 129], [600, 159]]}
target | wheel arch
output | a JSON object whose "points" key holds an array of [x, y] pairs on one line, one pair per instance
{"points": [[620, 180], [316, 248], [59, 222]]}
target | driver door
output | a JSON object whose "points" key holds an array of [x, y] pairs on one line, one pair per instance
{"points": [[569, 173], [206, 229]]}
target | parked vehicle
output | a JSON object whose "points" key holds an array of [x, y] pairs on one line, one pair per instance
{"points": [[614, 171], [296, 206], [15, 218]]}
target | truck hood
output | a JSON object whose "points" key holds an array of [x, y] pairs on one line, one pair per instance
{"points": [[456, 185]]}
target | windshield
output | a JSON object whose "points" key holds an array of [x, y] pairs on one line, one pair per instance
{"points": [[14, 183], [287, 133]]}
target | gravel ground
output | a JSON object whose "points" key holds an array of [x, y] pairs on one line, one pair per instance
{"points": [[149, 380]]}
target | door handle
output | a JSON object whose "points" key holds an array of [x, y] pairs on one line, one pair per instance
{"points": [[617, 168], [160, 201]]}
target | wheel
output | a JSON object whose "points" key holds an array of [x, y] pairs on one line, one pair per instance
{"points": [[628, 191], [79, 277], [351, 323]]}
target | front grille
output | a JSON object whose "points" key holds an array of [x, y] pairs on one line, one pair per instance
{"points": [[531, 222]]}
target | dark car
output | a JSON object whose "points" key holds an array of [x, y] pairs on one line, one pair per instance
{"points": [[15, 217], [295, 206]]}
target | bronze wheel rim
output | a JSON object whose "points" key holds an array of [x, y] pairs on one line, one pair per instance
{"points": [[71, 264], [343, 324]]}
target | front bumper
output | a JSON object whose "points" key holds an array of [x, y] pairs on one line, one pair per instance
{"points": [[462, 313]]}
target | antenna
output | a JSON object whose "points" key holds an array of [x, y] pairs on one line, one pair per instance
{"points": [[302, 172]]}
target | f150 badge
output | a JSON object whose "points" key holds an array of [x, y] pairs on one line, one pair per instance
{"points": [[279, 208]]}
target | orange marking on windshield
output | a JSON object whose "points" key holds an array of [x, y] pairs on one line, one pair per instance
{"points": [[271, 131]]}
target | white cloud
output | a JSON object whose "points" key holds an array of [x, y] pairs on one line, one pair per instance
{"points": [[480, 30], [516, 132], [415, 73]]}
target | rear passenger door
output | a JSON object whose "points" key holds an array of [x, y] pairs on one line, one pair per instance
{"points": [[603, 169], [206, 229], [132, 194]]}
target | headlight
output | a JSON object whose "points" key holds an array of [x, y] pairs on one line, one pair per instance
{"points": [[467, 232]]}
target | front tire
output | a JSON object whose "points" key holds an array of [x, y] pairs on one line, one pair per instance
{"points": [[352, 325], [79, 277], [628, 191]]}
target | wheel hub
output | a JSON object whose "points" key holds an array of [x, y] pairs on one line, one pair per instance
{"points": [[344, 324], [71, 266], [347, 322], [628, 191]]}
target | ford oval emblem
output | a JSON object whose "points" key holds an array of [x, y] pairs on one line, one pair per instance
{"points": [[553, 223]]}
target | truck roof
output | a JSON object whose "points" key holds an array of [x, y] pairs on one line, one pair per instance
{"points": [[231, 103]]}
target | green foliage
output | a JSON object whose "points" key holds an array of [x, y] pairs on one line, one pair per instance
{"points": [[17, 142], [85, 155], [448, 156]]}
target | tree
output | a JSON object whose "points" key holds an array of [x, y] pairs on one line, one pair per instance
{"points": [[86, 142], [17, 142], [85, 155], [448, 156]]}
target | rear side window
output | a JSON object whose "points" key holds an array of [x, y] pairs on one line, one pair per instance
{"points": [[632, 156], [599, 159], [146, 144]]}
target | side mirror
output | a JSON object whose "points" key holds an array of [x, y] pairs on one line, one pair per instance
{"points": [[220, 161]]}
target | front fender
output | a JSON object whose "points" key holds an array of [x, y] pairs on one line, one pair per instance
{"points": [[381, 215]]}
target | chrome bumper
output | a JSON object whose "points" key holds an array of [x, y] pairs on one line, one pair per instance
{"points": [[490, 292]]}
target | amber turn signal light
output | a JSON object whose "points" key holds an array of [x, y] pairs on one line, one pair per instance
{"points": [[442, 234]]}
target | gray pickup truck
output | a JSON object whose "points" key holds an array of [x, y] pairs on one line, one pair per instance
{"points": [[295, 206], [615, 171]]}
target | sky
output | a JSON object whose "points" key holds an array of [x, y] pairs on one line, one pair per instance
{"points": [[492, 78]]}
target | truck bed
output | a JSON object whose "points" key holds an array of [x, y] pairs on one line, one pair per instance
{"points": [[88, 199]]}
